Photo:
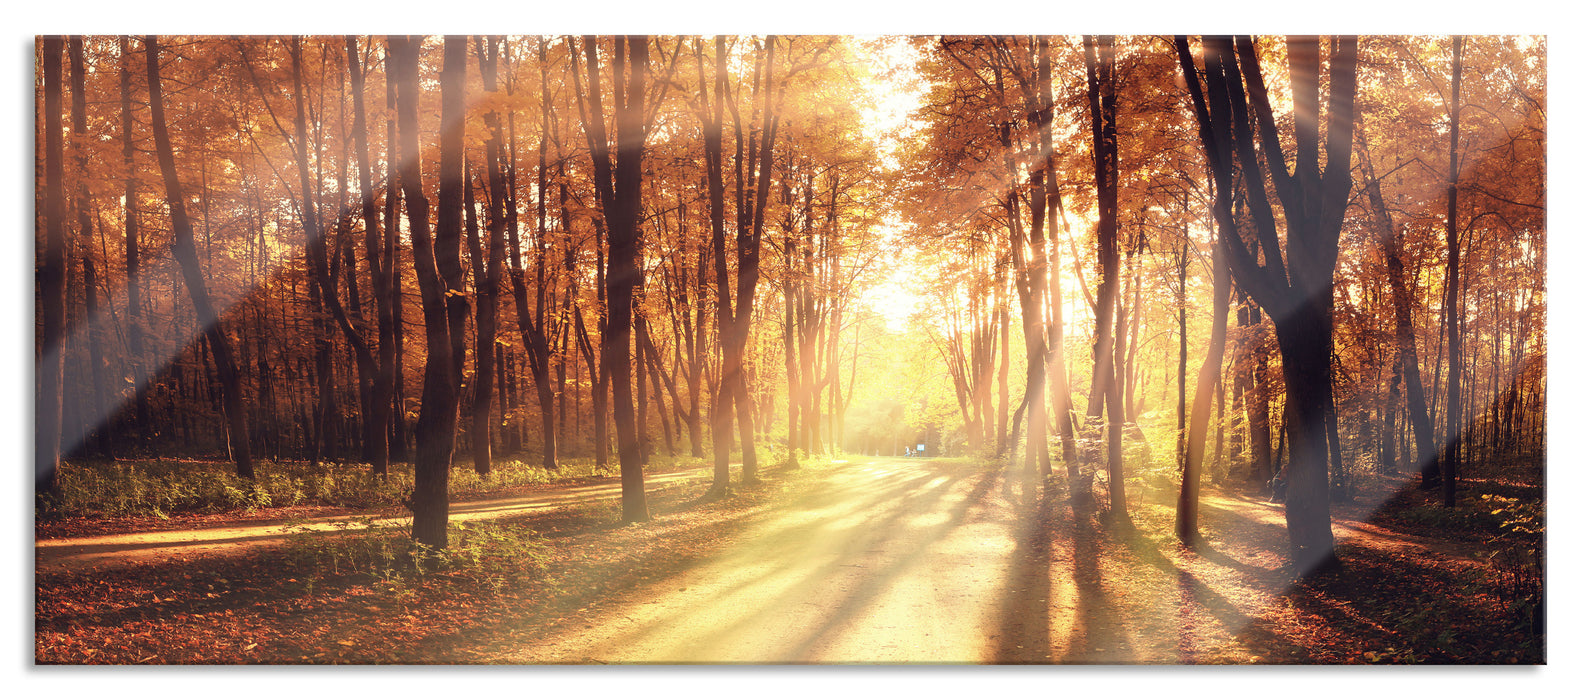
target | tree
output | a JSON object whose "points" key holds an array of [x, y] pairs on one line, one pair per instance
{"points": [[186, 254], [134, 285], [754, 156], [619, 185], [1405, 334], [1100, 60], [1208, 376], [437, 415], [1294, 283], [52, 284], [536, 330], [379, 252], [487, 269], [1452, 462], [98, 401]]}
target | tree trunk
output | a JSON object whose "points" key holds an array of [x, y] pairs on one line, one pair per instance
{"points": [[376, 425], [1295, 288], [394, 189], [620, 193], [134, 284], [1452, 314], [437, 414], [789, 346], [1261, 470], [1303, 348], [1109, 359], [1208, 376], [1405, 333], [487, 272], [751, 203], [1181, 366], [98, 410], [1004, 444], [52, 286], [535, 336], [186, 253]]}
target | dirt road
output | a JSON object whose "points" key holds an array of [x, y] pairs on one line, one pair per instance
{"points": [[919, 561], [894, 561]]}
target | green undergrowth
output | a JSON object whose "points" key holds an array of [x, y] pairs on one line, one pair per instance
{"points": [[1508, 521], [777, 455], [498, 554], [162, 487]]}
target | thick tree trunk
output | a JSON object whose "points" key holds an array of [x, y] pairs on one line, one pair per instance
{"points": [[1302, 336], [52, 285], [620, 193], [437, 415], [1296, 288]]}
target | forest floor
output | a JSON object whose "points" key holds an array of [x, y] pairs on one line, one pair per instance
{"points": [[868, 561]]}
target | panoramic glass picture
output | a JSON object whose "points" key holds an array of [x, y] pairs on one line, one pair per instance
{"points": [[790, 349]]}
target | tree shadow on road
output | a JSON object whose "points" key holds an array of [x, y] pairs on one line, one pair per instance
{"points": [[842, 542], [1023, 636]]}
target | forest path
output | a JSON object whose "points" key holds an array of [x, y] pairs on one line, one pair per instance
{"points": [[921, 561], [119, 550], [888, 561]]}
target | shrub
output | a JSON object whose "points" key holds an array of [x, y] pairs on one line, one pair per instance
{"points": [[498, 554]]}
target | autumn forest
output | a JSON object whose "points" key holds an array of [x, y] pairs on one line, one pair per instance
{"points": [[788, 349]]}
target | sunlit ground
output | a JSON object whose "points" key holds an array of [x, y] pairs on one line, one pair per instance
{"points": [[919, 561]]}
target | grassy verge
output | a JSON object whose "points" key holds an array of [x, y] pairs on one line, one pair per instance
{"points": [[163, 487]]}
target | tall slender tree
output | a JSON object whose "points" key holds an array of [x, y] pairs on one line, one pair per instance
{"points": [[437, 414], [1453, 421], [186, 253], [376, 432], [619, 184], [1099, 53], [133, 262], [51, 283]]}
